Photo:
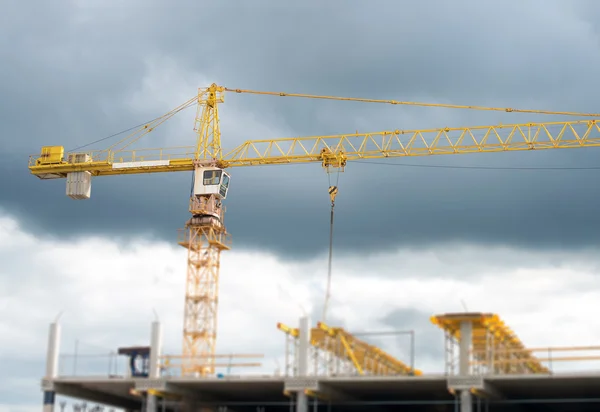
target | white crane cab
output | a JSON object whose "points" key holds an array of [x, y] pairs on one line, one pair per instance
{"points": [[211, 181]]}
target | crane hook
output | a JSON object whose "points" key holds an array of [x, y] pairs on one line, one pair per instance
{"points": [[333, 191]]}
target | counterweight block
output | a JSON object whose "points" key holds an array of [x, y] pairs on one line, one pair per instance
{"points": [[79, 185]]}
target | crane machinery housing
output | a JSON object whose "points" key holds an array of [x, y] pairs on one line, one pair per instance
{"points": [[205, 235]]}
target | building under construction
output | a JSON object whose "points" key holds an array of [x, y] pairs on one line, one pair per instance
{"points": [[487, 368], [327, 368]]}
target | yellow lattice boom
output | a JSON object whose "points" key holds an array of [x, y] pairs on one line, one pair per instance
{"points": [[343, 148], [493, 343], [366, 358]]}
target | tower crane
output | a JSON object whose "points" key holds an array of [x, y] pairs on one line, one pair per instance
{"points": [[205, 235]]}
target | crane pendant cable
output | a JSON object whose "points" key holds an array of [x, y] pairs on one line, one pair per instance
{"points": [[333, 190]]}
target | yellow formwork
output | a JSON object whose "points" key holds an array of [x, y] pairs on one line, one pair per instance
{"points": [[493, 342], [366, 358]]}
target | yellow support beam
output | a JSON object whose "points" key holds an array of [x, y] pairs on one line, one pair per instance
{"points": [[493, 342], [366, 358], [164, 395]]}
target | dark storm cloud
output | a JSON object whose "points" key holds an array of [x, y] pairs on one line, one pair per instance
{"points": [[71, 76]]}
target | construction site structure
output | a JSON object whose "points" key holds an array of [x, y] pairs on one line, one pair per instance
{"points": [[205, 235], [338, 352], [349, 374], [495, 348]]}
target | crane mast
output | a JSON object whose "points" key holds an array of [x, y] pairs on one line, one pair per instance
{"points": [[204, 237]]}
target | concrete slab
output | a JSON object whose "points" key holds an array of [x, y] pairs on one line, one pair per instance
{"points": [[582, 391], [391, 388], [116, 392], [548, 386]]}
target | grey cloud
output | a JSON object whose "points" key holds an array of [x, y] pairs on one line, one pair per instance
{"points": [[20, 383], [70, 80], [429, 341], [463, 262]]}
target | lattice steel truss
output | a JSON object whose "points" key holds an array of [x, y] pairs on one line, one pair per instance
{"points": [[204, 237]]}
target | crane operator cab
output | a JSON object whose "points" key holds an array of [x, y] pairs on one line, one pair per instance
{"points": [[211, 181]]}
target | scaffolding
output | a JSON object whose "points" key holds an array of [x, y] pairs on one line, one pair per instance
{"points": [[495, 348], [335, 352]]}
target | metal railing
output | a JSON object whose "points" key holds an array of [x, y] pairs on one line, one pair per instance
{"points": [[113, 365], [137, 155], [86, 364], [556, 359]]}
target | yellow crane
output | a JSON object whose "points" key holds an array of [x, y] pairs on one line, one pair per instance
{"points": [[205, 235]]}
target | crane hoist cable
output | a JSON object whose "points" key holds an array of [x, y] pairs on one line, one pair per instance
{"points": [[333, 191]]}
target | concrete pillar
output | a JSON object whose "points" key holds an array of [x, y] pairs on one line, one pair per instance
{"points": [[464, 369], [466, 337], [154, 367], [151, 403], [52, 364], [303, 350], [155, 350]]}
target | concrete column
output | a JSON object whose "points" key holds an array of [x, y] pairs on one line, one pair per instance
{"points": [[155, 350], [154, 367], [151, 403], [303, 349], [52, 364], [466, 337]]}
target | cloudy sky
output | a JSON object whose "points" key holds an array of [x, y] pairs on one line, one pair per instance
{"points": [[414, 237]]}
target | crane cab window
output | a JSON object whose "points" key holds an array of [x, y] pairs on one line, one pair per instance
{"points": [[224, 186], [211, 177]]}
